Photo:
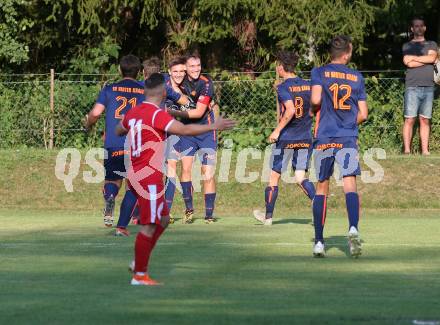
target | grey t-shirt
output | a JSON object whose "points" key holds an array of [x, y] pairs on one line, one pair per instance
{"points": [[422, 76]]}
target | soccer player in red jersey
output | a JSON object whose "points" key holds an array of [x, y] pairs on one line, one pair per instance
{"points": [[146, 126]]}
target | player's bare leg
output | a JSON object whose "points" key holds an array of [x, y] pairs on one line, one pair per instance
{"points": [[171, 184], [352, 201], [408, 127], [319, 216], [110, 202], [208, 174], [425, 126], [185, 181]]}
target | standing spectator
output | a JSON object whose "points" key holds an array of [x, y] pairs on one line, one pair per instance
{"points": [[419, 56]]}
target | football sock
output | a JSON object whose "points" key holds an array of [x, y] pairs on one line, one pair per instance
{"points": [[209, 204], [157, 233], [270, 195], [352, 202], [187, 194], [308, 188], [170, 190], [142, 251], [127, 208], [319, 215], [110, 189]]}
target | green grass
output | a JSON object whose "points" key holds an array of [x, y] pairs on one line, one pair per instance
{"points": [[65, 267], [58, 264]]}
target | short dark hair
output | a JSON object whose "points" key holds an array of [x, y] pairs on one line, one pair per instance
{"points": [[417, 18], [339, 45], [130, 66], [176, 61], [151, 65], [154, 85], [288, 59], [192, 55]]}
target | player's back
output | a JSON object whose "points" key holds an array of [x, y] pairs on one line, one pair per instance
{"points": [[342, 88], [298, 91], [118, 98], [147, 125]]}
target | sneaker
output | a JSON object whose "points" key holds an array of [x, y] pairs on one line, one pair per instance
{"points": [[172, 220], [122, 232], [210, 220], [131, 267], [354, 242], [188, 217], [261, 217], [143, 280], [108, 212], [319, 250]]}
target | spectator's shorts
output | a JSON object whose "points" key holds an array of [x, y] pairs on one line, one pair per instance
{"points": [[418, 102]]}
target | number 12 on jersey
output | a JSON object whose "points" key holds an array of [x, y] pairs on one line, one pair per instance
{"points": [[136, 137], [339, 103]]}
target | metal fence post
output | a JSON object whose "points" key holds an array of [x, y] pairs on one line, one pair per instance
{"points": [[52, 110]]}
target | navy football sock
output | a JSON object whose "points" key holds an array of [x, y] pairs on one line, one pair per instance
{"points": [[270, 196], [170, 190], [187, 194], [308, 188], [209, 204], [110, 189], [319, 215], [352, 202], [127, 207]]}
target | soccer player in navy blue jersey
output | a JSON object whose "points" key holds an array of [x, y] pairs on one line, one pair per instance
{"points": [[293, 134], [340, 102], [116, 99], [201, 90]]}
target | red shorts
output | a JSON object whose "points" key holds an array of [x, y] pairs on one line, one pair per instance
{"points": [[152, 205]]}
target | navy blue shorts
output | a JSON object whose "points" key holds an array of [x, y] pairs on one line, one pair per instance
{"points": [[343, 150], [114, 163], [298, 152], [204, 145]]}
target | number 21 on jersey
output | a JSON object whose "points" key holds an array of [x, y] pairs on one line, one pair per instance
{"points": [[124, 101], [135, 137]]}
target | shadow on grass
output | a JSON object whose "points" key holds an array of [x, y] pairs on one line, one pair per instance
{"points": [[296, 221]]}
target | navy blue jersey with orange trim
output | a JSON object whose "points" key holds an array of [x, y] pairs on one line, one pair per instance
{"points": [[118, 98], [298, 91], [342, 89], [200, 90]]}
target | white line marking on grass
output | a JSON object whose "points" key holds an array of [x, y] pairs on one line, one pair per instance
{"points": [[426, 322]]}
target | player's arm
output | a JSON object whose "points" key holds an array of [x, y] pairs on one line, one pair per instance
{"points": [[190, 114], [183, 100], [316, 97], [92, 117], [363, 112], [220, 124], [122, 127], [284, 120]]}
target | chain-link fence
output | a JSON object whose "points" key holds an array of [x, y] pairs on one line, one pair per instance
{"points": [[45, 110]]}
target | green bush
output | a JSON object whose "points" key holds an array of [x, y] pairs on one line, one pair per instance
{"points": [[25, 114]]}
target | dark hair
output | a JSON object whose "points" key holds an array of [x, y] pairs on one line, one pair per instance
{"points": [[339, 45], [176, 61], [154, 85], [192, 55], [288, 59], [417, 18], [130, 66], [151, 65]]}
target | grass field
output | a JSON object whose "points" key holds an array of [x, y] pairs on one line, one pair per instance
{"points": [[58, 264]]}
